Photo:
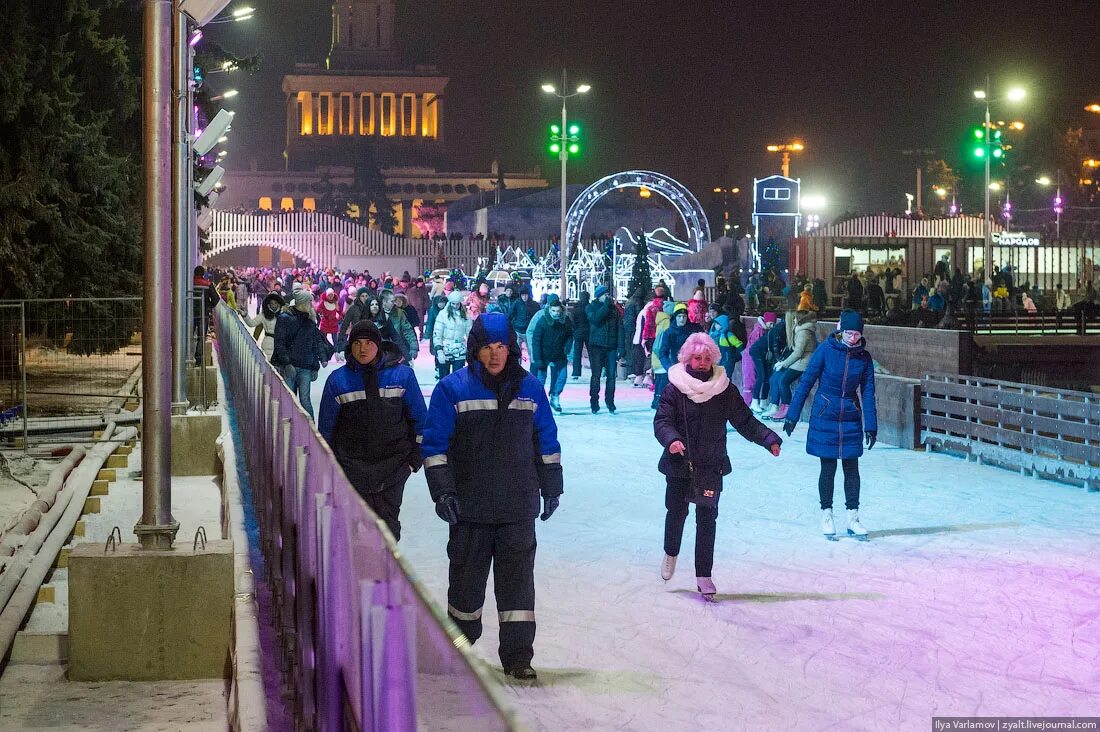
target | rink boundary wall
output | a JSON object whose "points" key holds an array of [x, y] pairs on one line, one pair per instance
{"points": [[1039, 431], [360, 642]]}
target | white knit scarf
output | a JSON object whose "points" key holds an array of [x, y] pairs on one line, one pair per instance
{"points": [[694, 389]]}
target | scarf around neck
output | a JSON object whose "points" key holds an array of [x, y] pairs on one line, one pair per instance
{"points": [[694, 389]]}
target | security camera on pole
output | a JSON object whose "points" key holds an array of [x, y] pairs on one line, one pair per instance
{"points": [[564, 142]]}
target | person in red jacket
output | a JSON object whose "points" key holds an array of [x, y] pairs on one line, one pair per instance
{"points": [[329, 314]]}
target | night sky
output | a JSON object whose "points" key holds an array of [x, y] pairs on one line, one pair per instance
{"points": [[697, 88]]}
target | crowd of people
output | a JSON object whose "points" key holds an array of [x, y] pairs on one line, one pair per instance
{"points": [[487, 439]]}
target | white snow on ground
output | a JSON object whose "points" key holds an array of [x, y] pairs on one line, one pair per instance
{"points": [[978, 594]]}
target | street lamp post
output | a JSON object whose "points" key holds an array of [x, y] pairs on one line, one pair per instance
{"points": [[987, 230], [563, 155], [787, 149]]}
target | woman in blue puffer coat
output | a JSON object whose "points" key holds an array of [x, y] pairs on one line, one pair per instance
{"points": [[842, 417]]}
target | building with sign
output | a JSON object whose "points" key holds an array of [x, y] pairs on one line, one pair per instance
{"points": [[777, 217]]}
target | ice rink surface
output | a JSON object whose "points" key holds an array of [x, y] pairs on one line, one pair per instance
{"points": [[978, 594]]}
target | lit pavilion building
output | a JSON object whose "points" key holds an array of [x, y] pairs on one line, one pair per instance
{"points": [[363, 107]]}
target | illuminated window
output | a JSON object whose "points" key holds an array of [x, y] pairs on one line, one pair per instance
{"points": [[265, 203], [347, 115], [309, 204], [324, 113], [366, 114], [287, 204], [777, 194], [429, 116], [408, 115], [388, 114], [305, 113]]}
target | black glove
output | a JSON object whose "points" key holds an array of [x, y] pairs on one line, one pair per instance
{"points": [[788, 426], [872, 438], [415, 461], [549, 505], [447, 508]]}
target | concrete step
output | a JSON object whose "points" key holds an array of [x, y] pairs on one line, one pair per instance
{"points": [[39, 647]]}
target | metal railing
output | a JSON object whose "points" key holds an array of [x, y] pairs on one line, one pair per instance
{"points": [[362, 646], [1041, 431]]}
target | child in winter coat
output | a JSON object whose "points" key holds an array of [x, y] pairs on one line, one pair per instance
{"points": [[806, 299], [477, 301], [729, 345], [697, 307], [329, 314], [660, 373]]}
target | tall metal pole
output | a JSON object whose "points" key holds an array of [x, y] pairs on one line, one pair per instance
{"points": [[156, 529], [181, 203], [987, 255], [564, 156]]}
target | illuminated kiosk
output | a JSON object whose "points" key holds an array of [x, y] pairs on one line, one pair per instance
{"points": [[686, 205]]}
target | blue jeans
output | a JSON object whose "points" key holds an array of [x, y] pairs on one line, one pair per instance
{"points": [[299, 381], [780, 388], [559, 372]]}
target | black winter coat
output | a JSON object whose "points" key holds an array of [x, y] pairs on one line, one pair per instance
{"points": [[298, 342], [605, 326], [552, 341], [702, 427], [580, 318]]}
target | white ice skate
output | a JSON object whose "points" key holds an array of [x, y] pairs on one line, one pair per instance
{"points": [[772, 409], [755, 405], [855, 528], [827, 526], [706, 588], [668, 568]]}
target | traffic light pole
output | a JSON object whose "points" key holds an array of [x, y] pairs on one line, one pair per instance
{"points": [[987, 255], [563, 245]]}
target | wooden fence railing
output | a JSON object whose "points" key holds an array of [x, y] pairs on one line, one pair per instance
{"points": [[1052, 433]]}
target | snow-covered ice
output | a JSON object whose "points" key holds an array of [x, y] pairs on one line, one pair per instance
{"points": [[978, 594]]}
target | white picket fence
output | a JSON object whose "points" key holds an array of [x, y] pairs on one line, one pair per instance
{"points": [[323, 240]]}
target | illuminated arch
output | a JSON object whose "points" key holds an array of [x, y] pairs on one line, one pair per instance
{"points": [[691, 213], [273, 242]]}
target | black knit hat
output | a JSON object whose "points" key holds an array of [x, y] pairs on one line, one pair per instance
{"points": [[364, 329]]}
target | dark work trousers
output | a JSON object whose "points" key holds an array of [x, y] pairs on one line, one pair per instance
{"points": [[387, 503], [602, 363], [706, 525], [578, 344], [851, 482], [637, 359], [763, 376], [510, 550]]}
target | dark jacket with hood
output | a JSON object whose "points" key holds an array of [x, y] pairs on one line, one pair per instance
{"points": [[695, 411], [492, 441], [675, 337], [373, 418], [358, 310]]}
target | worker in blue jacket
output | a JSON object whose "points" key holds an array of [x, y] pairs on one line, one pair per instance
{"points": [[490, 452], [372, 415]]}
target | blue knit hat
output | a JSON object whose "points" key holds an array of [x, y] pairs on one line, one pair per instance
{"points": [[491, 328], [850, 320], [601, 291]]}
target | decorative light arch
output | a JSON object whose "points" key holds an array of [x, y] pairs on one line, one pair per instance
{"points": [[691, 213], [225, 247]]}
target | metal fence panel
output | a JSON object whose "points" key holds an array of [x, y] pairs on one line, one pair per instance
{"points": [[362, 645]]}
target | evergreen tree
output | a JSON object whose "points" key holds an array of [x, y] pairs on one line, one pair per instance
{"points": [[640, 276], [370, 192], [69, 158]]}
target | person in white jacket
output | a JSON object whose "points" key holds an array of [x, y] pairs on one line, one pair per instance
{"points": [[266, 317], [449, 334], [788, 370]]}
